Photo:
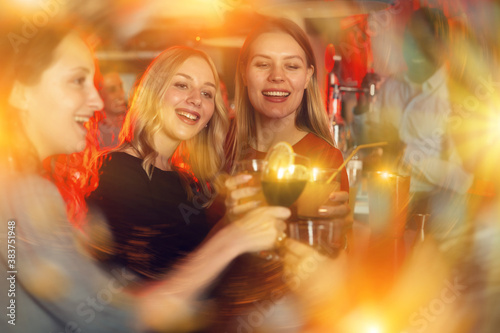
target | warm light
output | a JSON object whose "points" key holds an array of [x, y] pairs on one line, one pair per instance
{"points": [[30, 3], [198, 38], [314, 174], [385, 174], [373, 329], [281, 173]]}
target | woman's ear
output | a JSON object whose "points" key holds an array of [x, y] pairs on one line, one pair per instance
{"points": [[309, 74], [18, 96]]}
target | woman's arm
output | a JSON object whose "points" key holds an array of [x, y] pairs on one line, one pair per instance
{"points": [[254, 232]]}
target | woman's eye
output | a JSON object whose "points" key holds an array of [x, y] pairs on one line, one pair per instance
{"points": [[292, 66], [207, 94], [79, 81], [261, 65], [181, 85]]}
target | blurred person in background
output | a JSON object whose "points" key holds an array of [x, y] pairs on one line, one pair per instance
{"points": [[110, 119], [412, 113]]}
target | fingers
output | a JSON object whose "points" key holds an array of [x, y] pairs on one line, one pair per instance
{"points": [[233, 182], [337, 210], [261, 228], [241, 193], [339, 196], [237, 210], [337, 205], [280, 225], [236, 193], [277, 212]]}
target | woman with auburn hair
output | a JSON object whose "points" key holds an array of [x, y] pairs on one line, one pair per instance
{"points": [[154, 187]]}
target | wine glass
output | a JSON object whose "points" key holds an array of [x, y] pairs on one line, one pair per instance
{"points": [[284, 180], [253, 167]]}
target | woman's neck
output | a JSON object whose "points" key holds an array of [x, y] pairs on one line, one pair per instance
{"points": [[165, 150], [271, 131]]}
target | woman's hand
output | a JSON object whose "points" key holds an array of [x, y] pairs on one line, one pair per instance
{"points": [[312, 276], [259, 229], [337, 207], [241, 199]]}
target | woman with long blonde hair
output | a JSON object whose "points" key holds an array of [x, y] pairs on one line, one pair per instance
{"points": [[277, 99], [154, 187]]}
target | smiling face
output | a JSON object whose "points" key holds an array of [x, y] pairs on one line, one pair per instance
{"points": [[189, 101], [57, 106], [276, 75]]}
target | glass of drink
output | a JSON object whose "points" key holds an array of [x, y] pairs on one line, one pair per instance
{"points": [[388, 200], [318, 231], [316, 193], [253, 167], [281, 184], [284, 180]]}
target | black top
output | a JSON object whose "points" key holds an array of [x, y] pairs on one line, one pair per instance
{"points": [[152, 221]]}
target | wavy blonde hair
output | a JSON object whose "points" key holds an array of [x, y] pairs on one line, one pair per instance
{"points": [[201, 156], [311, 115]]}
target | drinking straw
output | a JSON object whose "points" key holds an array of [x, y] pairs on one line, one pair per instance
{"points": [[369, 145]]}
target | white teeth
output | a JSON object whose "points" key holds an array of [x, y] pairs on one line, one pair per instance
{"points": [[187, 115], [275, 93], [81, 119]]}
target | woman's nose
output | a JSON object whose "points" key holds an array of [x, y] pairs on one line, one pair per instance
{"points": [[194, 98], [95, 101], [276, 74]]}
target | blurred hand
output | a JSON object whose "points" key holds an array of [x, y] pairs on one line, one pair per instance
{"points": [[235, 205], [311, 275], [259, 229], [365, 99], [369, 79], [337, 207]]}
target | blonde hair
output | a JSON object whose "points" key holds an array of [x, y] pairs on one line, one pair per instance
{"points": [[311, 115], [201, 156]]}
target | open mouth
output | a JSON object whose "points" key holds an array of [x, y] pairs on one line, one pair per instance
{"points": [[188, 115], [81, 119], [276, 93]]}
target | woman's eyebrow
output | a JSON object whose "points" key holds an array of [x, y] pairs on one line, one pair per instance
{"points": [[191, 79]]}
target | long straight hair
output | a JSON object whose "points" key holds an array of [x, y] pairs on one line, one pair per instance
{"points": [[311, 115]]}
